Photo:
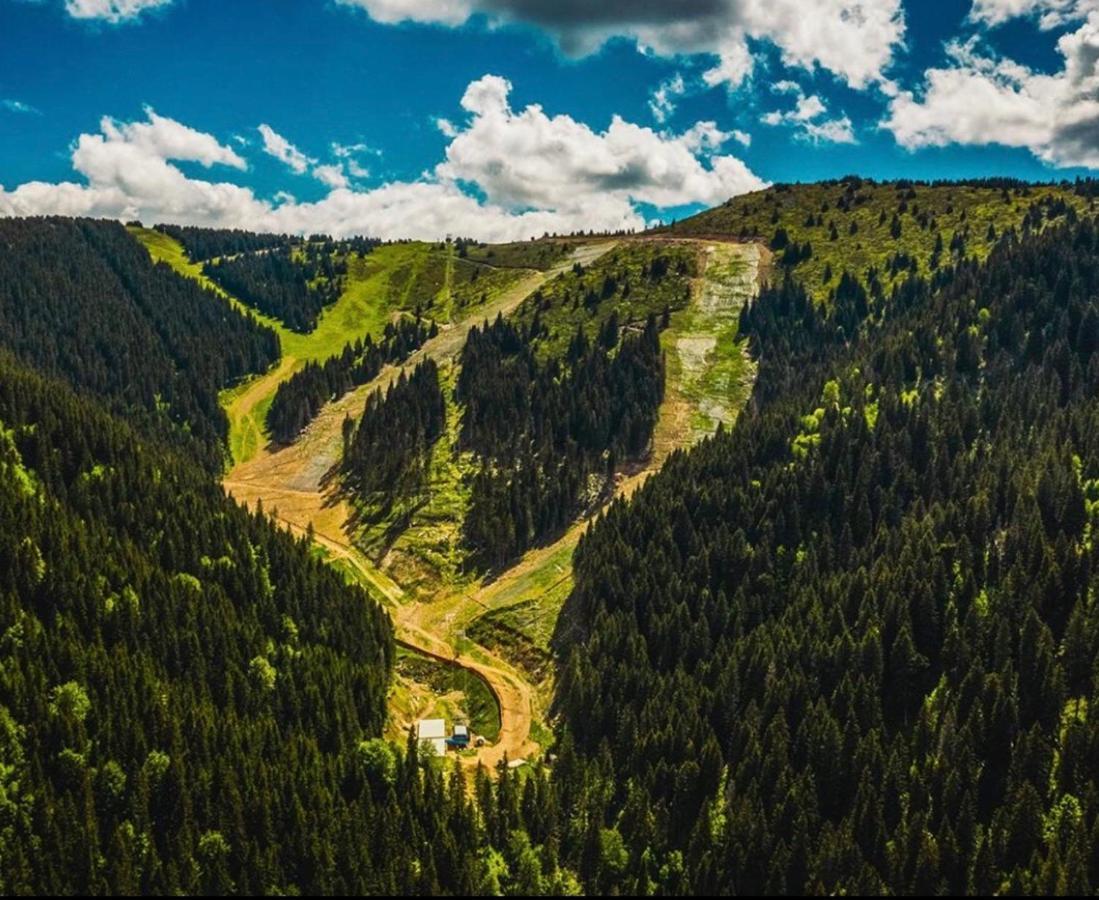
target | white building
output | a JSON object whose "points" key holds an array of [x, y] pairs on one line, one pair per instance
{"points": [[432, 733]]}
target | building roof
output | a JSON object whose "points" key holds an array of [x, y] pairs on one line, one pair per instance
{"points": [[430, 729], [461, 731]]}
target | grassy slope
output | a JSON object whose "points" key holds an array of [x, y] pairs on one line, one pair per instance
{"points": [[393, 278], [949, 208]]}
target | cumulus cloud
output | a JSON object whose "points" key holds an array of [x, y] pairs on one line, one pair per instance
{"points": [[854, 39], [158, 137], [984, 99], [528, 159], [113, 11], [1048, 13], [533, 173], [274, 144], [809, 117]]}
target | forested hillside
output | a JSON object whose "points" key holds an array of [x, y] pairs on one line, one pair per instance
{"points": [[557, 400], [544, 431], [551, 401], [851, 646], [81, 300], [290, 283], [183, 688], [884, 232], [298, 400]]}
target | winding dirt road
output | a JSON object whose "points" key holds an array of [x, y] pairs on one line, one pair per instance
{"points": [[291, 484]]}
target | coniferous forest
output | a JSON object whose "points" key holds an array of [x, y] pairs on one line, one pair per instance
{"points": [[848, 645], [291, 284], [543, 430], [298, 399], [385, 453], [80, 300]]}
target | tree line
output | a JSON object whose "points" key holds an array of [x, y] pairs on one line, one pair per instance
{"points": [[850, 646], [83, 301], [300, 398], [202, 244]]}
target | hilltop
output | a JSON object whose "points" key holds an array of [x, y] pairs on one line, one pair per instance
{"points": [[884, 232]]}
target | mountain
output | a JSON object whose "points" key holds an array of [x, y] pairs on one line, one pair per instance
{"points": [[759, 547], [849, 646]]}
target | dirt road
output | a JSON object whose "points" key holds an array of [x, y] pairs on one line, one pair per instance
{"points": [[292, 484]]}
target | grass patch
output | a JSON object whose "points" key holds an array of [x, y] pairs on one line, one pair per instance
{"points": [[459, 694], [707, 367], [502, 632]]}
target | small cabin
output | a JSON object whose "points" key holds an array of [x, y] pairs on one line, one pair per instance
{"points": [[431, 734]]}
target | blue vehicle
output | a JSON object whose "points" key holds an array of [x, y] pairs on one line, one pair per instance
{"points": [[460, 739]]}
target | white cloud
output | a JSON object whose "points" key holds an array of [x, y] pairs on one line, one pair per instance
{"points": [[113, 11], [536, 173], [1049, 13], [527, 159], [159, 137], [18, 106], [274, 144], [446, 127], [663, 101], [808, 117], [853, 39], [349, 153], [735, 64], [983, 99], [331, 175]]}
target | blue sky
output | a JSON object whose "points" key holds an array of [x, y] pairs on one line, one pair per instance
{"points": [[502, 118]]}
